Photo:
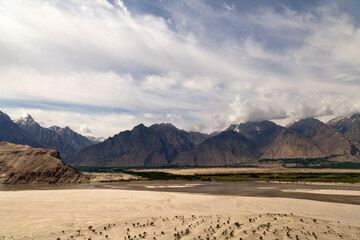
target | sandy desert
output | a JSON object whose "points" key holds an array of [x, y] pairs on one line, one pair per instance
{"points": [[129, 214]]}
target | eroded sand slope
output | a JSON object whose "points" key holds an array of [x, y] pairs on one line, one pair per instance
{"points": [[21, 164]]}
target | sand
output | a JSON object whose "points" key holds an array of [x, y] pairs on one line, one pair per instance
{"points": [[326, 191], [119, 214], [108, 177]]}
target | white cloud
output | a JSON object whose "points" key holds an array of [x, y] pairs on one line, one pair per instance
{"points": [[85, 130], [228, 7], [243, 111], [229, 67], [172, 117]]}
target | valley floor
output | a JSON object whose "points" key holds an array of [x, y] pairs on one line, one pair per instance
{"points": [[131, 214]]}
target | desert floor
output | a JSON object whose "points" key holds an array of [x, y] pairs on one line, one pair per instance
{"points": [[129, 214]]}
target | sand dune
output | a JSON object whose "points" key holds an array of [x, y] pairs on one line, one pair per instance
{"points": [[53, 214]]}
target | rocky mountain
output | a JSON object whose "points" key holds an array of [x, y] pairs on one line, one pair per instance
{"points": [[327, 138], [65, 140], [275, 142], [11, 132], [157, 145], [226, 148], [164, 144], [289, 144], [198, 137], [261, 134], [21, 164], [349, 127]]}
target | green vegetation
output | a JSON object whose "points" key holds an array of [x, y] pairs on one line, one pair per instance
{"points": [[120, 169], [282, 177], [324, 162], [300, 161], [337, 165]]}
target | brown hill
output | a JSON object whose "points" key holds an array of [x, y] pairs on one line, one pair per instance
{"points": [[20, 164]]}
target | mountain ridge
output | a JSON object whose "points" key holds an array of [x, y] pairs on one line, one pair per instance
{"points": [[11, 132], [164, 144], [244, 143], [65, 140]]}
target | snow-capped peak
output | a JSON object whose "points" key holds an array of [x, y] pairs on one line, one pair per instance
{"points": [[27, 120]]}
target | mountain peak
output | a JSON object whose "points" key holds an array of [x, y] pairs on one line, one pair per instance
{"points": [[252, 125], [139, 126], [163, 126], [28, 120], [306, 127], [308, 121], [355, 116], [4, 116]]}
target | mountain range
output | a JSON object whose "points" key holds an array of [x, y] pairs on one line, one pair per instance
{"points": [[245, 143], [165, 145], [28, 132]]}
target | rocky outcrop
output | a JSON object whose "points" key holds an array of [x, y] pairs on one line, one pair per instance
{"points": [[21, 164]]}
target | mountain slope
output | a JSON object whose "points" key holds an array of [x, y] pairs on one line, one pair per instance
{"points": [[349, 127], [11, 132], [260, 134], [157, 145], [289, 144], [65, 140], [198, 137], [327, 138], [21, 164], [226, 148], [275, 142]]}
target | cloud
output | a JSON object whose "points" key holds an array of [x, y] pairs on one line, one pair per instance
{"points": [[85, 130], [244, 111], [228, 7], [197, 63], [172, 117]]}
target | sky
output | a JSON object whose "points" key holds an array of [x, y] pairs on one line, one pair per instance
{"points": [[104, 66]]}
